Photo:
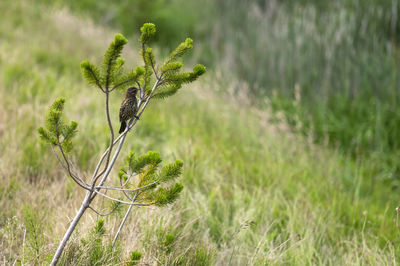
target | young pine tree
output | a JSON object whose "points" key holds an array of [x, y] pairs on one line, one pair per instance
{"points": [[141, 178]]}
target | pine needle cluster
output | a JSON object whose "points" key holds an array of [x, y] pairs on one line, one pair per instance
{"points": [[57, 131], [152, 181]]}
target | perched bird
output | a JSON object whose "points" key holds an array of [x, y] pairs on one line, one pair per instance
{"points": [[128, 107]]}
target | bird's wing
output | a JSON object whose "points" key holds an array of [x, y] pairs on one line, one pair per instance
{"points": [[122, 110]]}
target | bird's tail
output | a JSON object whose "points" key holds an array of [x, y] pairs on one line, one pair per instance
{"points": [[122, 128]]}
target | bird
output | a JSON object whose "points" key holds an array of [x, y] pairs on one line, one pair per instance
{"points": [[128, 108]]}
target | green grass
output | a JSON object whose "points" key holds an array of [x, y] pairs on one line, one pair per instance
{"points": [[255, 193], [331, 66]]}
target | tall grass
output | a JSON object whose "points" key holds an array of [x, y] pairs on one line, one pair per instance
{"points": [[331, 67]]}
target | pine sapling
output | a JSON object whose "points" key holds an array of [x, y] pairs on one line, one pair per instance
{"points": [[143, 180]]}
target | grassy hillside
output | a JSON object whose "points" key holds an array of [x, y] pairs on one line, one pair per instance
{"points": [[254, 194]]}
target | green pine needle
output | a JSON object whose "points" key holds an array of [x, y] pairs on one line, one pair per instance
{"points": [[91, 74], [57, 131], [110, 58], [148, 30]]}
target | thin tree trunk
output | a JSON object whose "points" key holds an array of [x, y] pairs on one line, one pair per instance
{"points": [[68, 233]]}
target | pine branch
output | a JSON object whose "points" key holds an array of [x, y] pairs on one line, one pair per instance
{"points": [[112, 54], [180, 50], [91, 74]]}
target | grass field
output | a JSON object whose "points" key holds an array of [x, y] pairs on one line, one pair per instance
{"points": [[255, 192]]}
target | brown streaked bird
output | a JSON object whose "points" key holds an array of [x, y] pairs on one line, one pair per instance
{"points": [[128, 107]]}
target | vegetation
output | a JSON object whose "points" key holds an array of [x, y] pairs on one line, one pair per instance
{"points": [[255, 192]]}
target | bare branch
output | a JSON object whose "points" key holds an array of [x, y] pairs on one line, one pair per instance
{"points": [[58, 158], [103, 214], [126, 189], [76, 179], [124, 192], [111, 139], [115, 156], [153, 67], [121, 201], [123, 221], [122, 83], [127, 180], [138, 83]]}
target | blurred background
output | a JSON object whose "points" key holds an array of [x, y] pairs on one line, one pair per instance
{"points": [[331, 67], [291, 142]]}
